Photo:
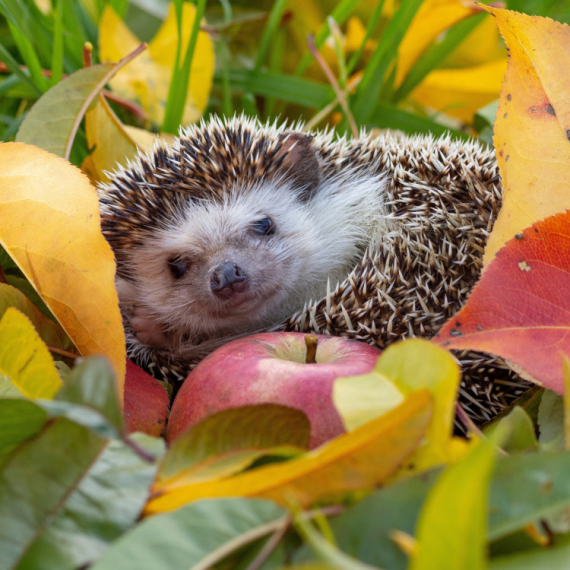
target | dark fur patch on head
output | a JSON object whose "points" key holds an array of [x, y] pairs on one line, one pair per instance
{"points": [[299, 159]]}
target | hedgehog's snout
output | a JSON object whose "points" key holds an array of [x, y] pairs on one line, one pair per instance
{"points": [[227, 279]]}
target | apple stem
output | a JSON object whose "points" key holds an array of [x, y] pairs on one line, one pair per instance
{"points": [[311, 340]]}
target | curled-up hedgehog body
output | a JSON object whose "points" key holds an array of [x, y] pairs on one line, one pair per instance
{"points": [[239, 227]]}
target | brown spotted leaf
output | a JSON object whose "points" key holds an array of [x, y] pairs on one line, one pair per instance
{"points": [[532, 130]]}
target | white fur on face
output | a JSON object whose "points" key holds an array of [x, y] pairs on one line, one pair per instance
{"points": [[314, 242]]}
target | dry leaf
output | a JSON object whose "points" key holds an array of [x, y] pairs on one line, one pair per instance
{"points": [[533, 124]]}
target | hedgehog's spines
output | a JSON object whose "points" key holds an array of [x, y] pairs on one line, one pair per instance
{"points": [[442, 199]]}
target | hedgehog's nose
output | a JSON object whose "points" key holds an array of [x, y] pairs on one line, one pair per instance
{"points": [[227, 279]]}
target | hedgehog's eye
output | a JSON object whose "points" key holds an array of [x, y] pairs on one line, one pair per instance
{"points": [[264, 227], [178, 267]]}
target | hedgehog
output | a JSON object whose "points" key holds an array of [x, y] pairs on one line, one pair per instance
{"points": [[239, 227]]}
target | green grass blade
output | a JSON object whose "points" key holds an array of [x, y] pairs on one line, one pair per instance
{"points": [[283, 87], [386, 116], [275, 66], [269, 32], [180, 82], [340, 14], [436, 54], [372, 23], [14, 67], [29, 57], [227, 104], [57, 56], [385, 53]]}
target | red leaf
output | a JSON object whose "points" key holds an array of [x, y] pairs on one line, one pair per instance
{"points": [[520, 309], [146, 402]]}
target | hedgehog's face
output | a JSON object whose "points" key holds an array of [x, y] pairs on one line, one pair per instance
{"points": [[227, 265]]}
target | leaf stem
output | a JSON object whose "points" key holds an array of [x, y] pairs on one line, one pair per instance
{"points": [[256, 533], [63, 352], [341, 96], [270, 545]]}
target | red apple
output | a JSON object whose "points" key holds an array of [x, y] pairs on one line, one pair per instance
{"points": [[272, 368]]}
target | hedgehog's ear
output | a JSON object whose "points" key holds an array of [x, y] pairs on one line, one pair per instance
{"points": [[299, 160]]}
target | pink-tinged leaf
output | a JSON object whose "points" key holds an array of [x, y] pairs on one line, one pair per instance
{"points": [[146, 402], [520, 309]]}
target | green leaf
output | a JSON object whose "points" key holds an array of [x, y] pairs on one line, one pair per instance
{"points": [[521, 437], [50, 122], [53, 121], [329, 553], [92, 384], [452, 527], [24, 358], [35, 484], [251, 428], [201, 533], [180, 81], [556, 557], [551, 420], [19, 420], [66, 495], [363, 530], [524, 489], [527, 487]]}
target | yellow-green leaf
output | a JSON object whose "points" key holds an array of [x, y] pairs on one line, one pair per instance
{"points": [[357, 460], [50, 332], [147, 78], [360, 399], [452, 528], [404, 368], [50, 226], [25, 359]]}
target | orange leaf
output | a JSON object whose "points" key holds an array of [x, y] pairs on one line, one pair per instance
{"points": [[49, 224], [146, 402], [533, 124], [520, 309]]}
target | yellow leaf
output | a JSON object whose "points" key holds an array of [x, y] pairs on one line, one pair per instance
{"points": [[111, 142], [51, 333], [402, 369], [147, 78], [533, 124], [490, 46], [25, 359], [49, 225], [356, 460], [144, 139], [360, 399], [416, 364], [461, 92], [433, 18]]}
